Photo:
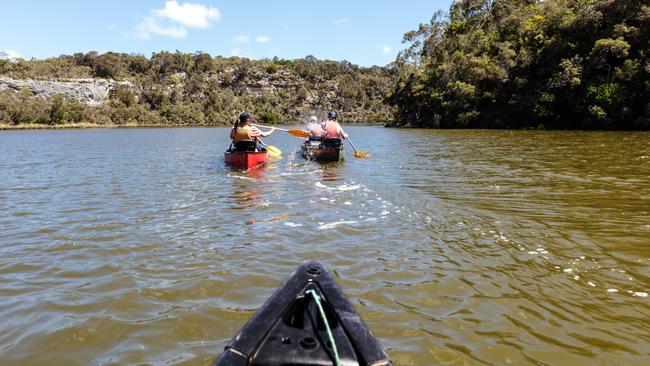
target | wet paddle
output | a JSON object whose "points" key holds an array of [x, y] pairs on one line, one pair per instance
{"points": [[297, 133], [357, 153], [272, 150]]}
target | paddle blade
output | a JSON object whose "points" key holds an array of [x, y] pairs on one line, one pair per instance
{"points": [[361, 154], [273, 151], [298, 133]]}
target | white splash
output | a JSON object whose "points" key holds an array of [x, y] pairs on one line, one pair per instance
{"points": [[239, 177], [641, 294], [335, 224], [343, 187], [292, 224]]}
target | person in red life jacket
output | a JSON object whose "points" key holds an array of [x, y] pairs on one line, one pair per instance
{"points": [[333, 131], [244, 136]]}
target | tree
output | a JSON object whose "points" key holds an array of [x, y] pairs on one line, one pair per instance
{"points": [[58, 111], [522, 63]]}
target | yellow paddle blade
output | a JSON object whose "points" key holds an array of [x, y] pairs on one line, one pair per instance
{"points": [[273, 151], [298, 133], [361, 154]]}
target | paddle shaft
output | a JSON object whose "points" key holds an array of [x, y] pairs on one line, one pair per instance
{"points": [[354, 147], [277, 128], [297, 133]]}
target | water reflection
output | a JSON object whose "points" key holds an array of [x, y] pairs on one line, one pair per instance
{"points": [[332, 172], [247, 188]]}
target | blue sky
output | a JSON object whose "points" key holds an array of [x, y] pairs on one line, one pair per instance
{"points": [[362, 32]]}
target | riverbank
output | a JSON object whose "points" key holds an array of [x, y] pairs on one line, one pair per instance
{"points": [[85, 125], [75, 126], [170, 89], [5, 127]]}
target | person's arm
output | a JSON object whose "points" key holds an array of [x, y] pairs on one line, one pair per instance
{"points": [[269, 132], [255, 132], [342, 133]]}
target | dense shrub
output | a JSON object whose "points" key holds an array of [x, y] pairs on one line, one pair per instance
{"points": [[523, 64], [197, 89]]}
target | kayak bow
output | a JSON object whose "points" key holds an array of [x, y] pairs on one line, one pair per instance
{"points": [[308, 322]]}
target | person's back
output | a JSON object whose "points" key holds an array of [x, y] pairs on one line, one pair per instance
{"points": [[315, 129], [243, 133], [332, 128], [244, 136]]}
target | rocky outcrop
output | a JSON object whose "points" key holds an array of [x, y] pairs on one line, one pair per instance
{"points": [[89, 91]]}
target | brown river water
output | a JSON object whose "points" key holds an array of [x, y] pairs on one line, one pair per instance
{"points": [[140, 247]]}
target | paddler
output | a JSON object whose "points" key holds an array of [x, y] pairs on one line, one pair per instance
{"points": [[333, 133], [315, 129], [332, 128], [244, 136]]}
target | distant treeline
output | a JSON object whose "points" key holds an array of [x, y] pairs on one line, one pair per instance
{"points": [[198, 89], [552, 64], [560, 64]]}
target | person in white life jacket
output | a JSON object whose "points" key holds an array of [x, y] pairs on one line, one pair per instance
{"points": [[315, 129]]}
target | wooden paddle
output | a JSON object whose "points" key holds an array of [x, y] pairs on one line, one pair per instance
{"points": [[357, 153], [297, 133]]}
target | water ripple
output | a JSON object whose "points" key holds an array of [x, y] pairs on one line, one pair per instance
{"points": [[458, 247]]}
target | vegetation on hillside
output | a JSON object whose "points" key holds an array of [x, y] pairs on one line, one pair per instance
{"points": [[197, 89], [561, 64], [554, 64]]}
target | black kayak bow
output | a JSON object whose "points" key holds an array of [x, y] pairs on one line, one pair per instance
{"points": [[308, 322]]}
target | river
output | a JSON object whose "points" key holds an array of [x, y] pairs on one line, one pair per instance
{"points": [[139, 246]]}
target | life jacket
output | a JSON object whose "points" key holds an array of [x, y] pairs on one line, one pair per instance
{"points": [[241, 134], [332, 129]]}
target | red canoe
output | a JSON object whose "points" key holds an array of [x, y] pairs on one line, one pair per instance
{"points": [[245, 160]]}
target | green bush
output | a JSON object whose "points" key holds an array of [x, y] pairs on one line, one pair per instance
{"points": [[269, 117]]}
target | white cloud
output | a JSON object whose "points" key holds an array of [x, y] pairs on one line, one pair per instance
{"points": [[262, 39], [340, 21], [240, 39], [9, 55], [174, 19], [150, 25], [385, 49], [188, 14], [235, 52]]}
